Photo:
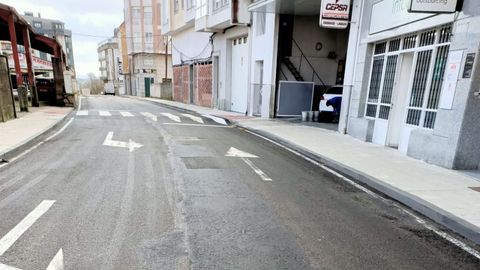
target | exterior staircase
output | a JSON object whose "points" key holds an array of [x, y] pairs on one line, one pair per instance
{"points": [[291, 67]]}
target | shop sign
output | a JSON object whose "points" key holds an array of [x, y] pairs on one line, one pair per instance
{"points": [[37, 63], [334, 14], [389, 14], [450, 79], [433, 6]]}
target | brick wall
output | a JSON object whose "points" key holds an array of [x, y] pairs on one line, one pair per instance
{"points": [[202, 92], [203, 89], [177, 83]]}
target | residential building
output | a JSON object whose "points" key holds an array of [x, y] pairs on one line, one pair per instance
{"points": [[53, 29], [149, 57], [109, 56], [414, 81], [124, 64], [191, 53]]}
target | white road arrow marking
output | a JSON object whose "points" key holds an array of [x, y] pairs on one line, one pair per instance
{"points": [[244, 156], [13, 235], [172, 117], [57, 262], [150, 115], [131, 145], [234, 152], [7, 267], [194, 118]]}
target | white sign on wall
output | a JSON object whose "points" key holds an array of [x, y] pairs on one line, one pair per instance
{"points": [[334, 14], [450, 79], [433, 6], [389, 14]]}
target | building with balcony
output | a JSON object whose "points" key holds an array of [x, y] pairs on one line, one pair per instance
{"points": [[109, 59], [53, 29], [191, 53], [149, 57]]}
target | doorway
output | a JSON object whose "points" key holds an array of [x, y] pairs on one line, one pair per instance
{"points": [[239, 86], [399, 104], [147, 87], [191, 85]]}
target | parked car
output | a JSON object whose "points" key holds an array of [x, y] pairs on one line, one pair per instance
{"points": [[326, 112], [45, 89]]}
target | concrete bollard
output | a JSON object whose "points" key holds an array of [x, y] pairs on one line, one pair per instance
{"points": [[23, 98], [304, 116]]}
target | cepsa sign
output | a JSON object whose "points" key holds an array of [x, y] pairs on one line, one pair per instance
{"points": [[334, 13]]}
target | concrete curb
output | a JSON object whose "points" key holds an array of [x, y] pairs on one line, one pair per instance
{"points": [[419, 205], [34, 139]]}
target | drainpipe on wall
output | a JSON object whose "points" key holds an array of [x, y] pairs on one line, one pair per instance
{"points": [[351, 65]]}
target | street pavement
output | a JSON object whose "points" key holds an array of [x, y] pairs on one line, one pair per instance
{"points": [[133, 185]]}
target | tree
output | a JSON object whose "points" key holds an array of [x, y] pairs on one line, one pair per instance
{"points": [[95, 84]]}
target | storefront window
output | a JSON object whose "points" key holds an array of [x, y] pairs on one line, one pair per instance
{"points": [[431, 51]]}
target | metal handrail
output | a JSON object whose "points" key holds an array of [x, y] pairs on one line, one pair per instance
{"points": [[314, 74]]}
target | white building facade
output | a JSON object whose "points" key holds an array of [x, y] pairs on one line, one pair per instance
{"points": [[414, 80]]}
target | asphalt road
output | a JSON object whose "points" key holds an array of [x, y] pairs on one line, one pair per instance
{"points": [[178, 202]]}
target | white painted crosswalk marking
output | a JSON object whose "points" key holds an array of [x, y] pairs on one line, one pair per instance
{"points": [[150, 116], [126, 114], [216, 119], [82, 113], [104, 113], [172, 117], [194, 118]]}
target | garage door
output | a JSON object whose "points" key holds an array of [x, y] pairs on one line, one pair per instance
{"points": [[239, 75]]}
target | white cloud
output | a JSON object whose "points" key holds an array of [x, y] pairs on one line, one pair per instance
{"points": [[89, 17]]}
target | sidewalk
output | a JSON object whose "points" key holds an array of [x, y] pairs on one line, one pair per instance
{"points": [[449, 197], [28, 126]]}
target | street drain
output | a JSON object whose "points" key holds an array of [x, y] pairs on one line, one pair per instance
{"points": [[196, 163], [477, 189]]}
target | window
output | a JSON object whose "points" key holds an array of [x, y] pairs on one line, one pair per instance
{"points": [[218, 4], [431, 51], [37, 24], [176, 6], [148, 37], [147, 15], [260, 23], [190, 4], [136, 15]]}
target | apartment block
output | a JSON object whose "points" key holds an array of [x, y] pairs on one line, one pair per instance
{"points": [[147, 49]]}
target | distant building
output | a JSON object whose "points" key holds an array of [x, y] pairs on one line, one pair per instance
{"points": [[124, 70], [53, 29], [108, 56], [149, 59]]}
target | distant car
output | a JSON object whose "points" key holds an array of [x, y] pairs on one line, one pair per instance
{"points": [[109, 89], [326, 112]]}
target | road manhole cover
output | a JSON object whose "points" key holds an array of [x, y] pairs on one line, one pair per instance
{"points": [[195, 163]]}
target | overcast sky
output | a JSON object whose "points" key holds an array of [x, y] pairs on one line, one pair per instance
{"points": [[87, 17]]}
